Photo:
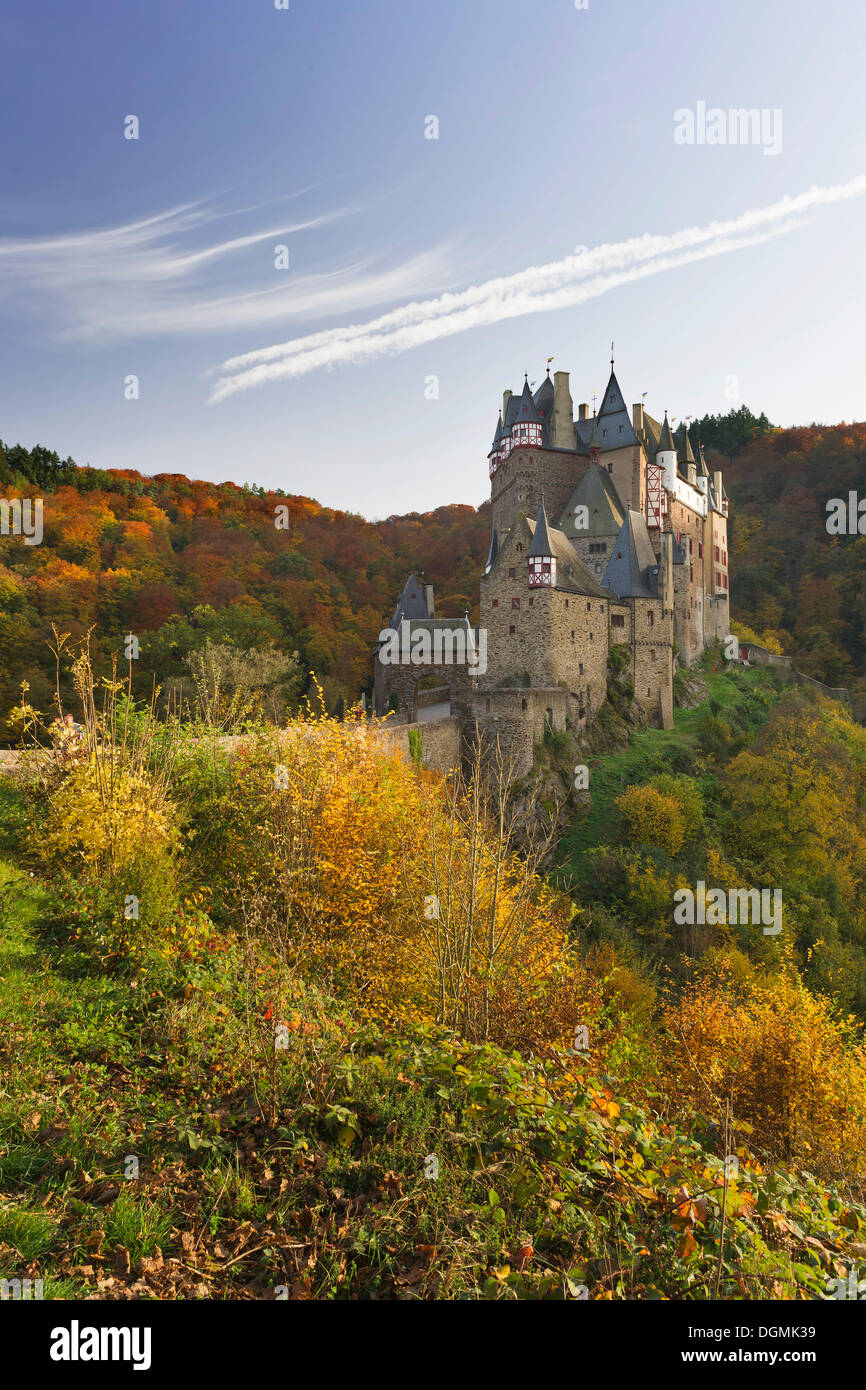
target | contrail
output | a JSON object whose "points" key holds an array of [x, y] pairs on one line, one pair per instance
{"points": [[559, 284]]}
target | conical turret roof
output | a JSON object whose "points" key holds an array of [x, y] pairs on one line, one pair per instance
{"points": [[527, 409], [541, 542], [666, 442], [685, 453]]}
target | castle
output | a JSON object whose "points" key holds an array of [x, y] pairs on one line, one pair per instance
{"points": [[608, 558]]}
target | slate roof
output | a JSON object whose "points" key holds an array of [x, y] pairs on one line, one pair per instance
{"points": [[544, 398], [666, 441], [685, 453], [632, 571], [412, 603], [527, 409], [493, 551], [541, 542], [595, 491], [615, 429], [572, 575]]}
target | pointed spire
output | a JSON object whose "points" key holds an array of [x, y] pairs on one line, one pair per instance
{"points": [[685, 453], [666, 442], [528, 410], [541, 542], [498, 435], [493, 551], [593, 438]]}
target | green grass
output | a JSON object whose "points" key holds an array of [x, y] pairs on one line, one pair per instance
{"points": [[137, 1224], [28, 1230]]}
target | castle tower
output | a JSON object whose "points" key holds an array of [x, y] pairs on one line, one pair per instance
{"points": [[666, 456], [542, 561], [527, 429]]}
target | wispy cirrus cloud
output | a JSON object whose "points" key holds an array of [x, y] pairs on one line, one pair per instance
{"points": [[161, 276], [556, 285]]}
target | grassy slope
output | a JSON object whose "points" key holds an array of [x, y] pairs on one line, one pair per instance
{"points": [[548, 1182]]}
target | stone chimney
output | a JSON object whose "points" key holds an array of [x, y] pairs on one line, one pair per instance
{"points": [[506, 397], [562, 430], [692, 472], [637, 417], [717, 484], [584, 410], [428, 599]]}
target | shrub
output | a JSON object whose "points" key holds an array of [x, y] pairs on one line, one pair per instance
{"points": [[653, 818]]}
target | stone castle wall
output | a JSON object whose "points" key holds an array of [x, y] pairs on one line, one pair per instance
{"points": [[519, 482]]}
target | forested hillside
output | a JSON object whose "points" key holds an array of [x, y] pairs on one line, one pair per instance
{"points": [[178, 562]]}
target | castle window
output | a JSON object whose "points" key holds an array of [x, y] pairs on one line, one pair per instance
{"points": [[652, 654], [715, 552], [601, 608], [572, 634], [511, 574], [580, 668], [700, 551], [511, 631], [650, 618], [597, 568], [566, 603], [520, 547], [494, 603], [523, 704], [588, 606], [618, 620], [590, 637], [692, 573], [515, 603]]}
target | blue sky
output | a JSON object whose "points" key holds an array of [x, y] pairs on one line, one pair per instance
{"points": [[306, 128]]}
